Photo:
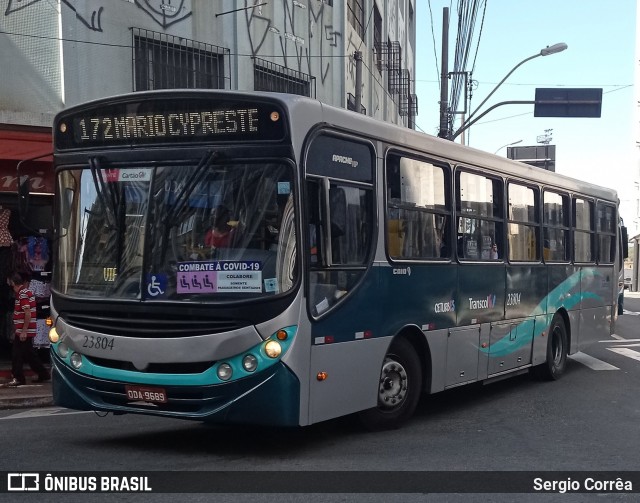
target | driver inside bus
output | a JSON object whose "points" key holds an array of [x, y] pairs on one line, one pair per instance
{"points": [[221, 233]]}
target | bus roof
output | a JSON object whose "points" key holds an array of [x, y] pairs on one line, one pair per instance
{"points": [[311, 112]]}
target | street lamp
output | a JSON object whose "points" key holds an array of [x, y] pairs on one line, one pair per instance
{"points": [[551, 49], [508, 145]]}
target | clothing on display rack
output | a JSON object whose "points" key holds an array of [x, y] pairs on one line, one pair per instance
{"points": [[37, 253], [5, 235]]}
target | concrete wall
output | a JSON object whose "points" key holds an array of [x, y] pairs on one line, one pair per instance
{"points": [[307, 36], [30, 59]]}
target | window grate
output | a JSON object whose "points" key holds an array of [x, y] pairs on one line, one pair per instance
{"points": [[355, 15], [163, 61], [272, 77], [389, 55]]}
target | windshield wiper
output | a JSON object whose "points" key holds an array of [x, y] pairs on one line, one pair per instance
{"points": [[181, 202], [182, 199], [101, 190]]}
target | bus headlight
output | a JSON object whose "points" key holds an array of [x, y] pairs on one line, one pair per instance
{"points": [[54, 336], [63, 350], [250, 363], [273, 349], [76, 360], [225, 372]]}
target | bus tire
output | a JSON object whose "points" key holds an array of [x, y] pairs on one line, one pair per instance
{"points": [[557, 349], [399, 388]]}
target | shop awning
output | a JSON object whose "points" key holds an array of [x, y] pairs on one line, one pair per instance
{"points": [[20, 145]]}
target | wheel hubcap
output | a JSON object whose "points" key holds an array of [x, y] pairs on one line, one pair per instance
{"points": [[393, 384], [557, 348]]}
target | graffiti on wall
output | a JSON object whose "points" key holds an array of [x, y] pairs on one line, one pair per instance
{"points": [[306, 36], [94, 23], [165, 12], [299, 48]]}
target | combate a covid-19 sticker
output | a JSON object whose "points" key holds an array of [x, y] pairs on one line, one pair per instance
{"points": [[227, 276]]}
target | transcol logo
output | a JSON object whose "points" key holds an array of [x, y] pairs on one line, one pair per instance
{"points": [[488, 303]]}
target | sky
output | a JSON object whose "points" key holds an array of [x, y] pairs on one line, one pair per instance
{"points": [[601, 39]]}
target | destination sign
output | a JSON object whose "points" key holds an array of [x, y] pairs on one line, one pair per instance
{"points": [[163, 121]]}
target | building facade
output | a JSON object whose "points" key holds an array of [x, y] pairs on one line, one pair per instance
{"points": [[64, 52]]}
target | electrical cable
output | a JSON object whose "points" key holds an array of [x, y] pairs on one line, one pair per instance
{"points": [[435, 52]]}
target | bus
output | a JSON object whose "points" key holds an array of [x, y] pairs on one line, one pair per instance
{"points": [[357, 264]]}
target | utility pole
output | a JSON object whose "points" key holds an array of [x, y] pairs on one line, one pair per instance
{"points": [[358, 58], [444, 77]]}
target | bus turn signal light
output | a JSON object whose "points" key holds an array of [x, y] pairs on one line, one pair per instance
{"points": [[321, 376], [282, 335]]}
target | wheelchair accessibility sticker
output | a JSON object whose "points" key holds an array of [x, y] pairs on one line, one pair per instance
{"points": [[156, 285]]}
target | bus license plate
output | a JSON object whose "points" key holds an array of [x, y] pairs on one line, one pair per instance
{"points": [[146, 394]]}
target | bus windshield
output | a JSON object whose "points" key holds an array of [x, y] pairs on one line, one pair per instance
{"points": [[204, 231]]}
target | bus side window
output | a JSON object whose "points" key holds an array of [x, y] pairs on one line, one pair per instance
{"points": [[479, 205], [417, 223]]}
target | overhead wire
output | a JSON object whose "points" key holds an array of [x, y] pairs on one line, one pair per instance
{"points": [[467, 14], [435, 52], [475, 56], [129, 46]]}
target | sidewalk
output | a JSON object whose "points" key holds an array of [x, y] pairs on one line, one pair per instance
{"points": [[29, 395]]}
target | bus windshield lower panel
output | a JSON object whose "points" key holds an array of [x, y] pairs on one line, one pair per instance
{"points": [[199, 232]]}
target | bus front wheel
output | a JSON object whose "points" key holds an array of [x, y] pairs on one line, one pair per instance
{"points": [[557, 349], [399, 388]]}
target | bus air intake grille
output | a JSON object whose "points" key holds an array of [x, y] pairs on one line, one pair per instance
{"points": [[155, 327], [154, 368]]}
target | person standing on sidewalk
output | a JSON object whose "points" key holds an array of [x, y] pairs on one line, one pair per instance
{"points": [[24, 324]]}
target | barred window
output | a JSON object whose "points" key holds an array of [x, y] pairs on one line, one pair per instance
{"points": [[166, 62], [272, 77], [355, 15], [377, 37]]}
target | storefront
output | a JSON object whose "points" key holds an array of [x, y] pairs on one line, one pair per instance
{"points": [[25, 236]]}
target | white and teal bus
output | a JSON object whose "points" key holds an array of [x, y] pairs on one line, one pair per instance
{"points": [[265, 258]]}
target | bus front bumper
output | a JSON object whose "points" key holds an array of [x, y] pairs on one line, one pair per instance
{"points": [[270, 397]]}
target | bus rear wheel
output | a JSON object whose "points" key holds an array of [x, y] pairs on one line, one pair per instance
{"points": [[557, 349], [399, 388]]}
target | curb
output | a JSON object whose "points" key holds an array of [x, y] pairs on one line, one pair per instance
{"points": [[26, 402]]}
